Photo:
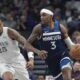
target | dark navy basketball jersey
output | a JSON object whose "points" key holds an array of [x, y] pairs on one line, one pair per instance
{"points": [[52, 40]]}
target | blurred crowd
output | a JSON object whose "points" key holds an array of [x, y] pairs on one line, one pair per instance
{"points": [[23, 15]]}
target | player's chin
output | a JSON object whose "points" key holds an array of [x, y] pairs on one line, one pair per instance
{"points": [[43, 22]]}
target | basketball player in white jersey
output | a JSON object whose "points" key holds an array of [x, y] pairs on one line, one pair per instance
{"points": [[12, 63]]}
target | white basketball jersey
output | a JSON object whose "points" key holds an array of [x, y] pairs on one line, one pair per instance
{"points": [[9, 50]]}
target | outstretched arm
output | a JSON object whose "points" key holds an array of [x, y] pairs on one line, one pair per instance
{"points": [[13, 34], [36, 33]]}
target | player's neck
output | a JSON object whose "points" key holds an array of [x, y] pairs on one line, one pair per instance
{"points": [[51, 24]]}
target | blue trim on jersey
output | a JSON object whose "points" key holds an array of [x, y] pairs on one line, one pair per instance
{"points": [[55, 29], [66, 62], [56, 24]]}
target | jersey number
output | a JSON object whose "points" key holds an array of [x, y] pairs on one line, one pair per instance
{"points": [[3, 49], [53, 45]]}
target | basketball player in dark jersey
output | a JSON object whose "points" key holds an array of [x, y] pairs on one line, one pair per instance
{"points": [[54, 39]]}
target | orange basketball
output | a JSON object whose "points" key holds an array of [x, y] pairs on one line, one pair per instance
{"points": [[75, 52]]}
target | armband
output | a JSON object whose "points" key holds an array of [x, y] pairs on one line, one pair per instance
{"points": [[68, 42], [30, 55]]}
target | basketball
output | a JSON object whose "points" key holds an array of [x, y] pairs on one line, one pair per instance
{"points": [[75, 52]]}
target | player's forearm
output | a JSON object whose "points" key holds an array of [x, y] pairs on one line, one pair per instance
{"points": [[22, 41], [29, 47]]}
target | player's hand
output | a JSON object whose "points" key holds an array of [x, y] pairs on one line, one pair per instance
{"points": [[30, 64], [42, 54]]}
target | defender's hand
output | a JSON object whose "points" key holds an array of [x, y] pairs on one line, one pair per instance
{"points": [[42, 54], [30, 64]]}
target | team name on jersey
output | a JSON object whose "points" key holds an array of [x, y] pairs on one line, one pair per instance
{"points": [[3, 46], [5, 43], [51, 36]]}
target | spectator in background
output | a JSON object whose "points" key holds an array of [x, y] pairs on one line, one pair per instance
{"points": [[44, 3], [74, 15], [22, 23], [74, 22], [67, 11], [9, 21], [76, 71], [58, 16], [18, 3], [75, 36], [78, 39], [2, 16]]}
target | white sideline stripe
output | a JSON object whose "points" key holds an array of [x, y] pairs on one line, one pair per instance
{"points": [[51, 33]]}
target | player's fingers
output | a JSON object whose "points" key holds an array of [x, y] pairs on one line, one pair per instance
{"points": [[29, 66], [44, 56], [44, 51]]}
